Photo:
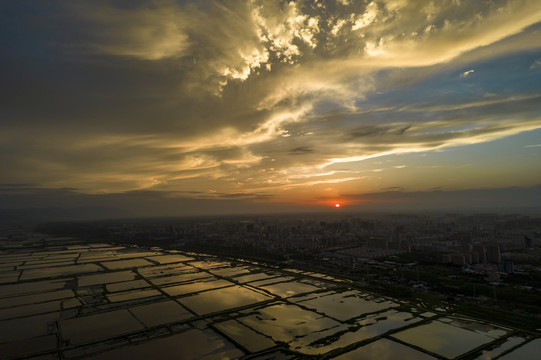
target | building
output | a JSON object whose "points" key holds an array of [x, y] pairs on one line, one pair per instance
{"points": [[493, 254]]}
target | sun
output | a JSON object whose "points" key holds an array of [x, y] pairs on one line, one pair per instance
{"points": [[337, 205]]}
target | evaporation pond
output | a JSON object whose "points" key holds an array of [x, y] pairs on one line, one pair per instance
{"points": [[193, 287], [509, 343], [126, 264], [443, 339], [127, 285], [132, 295], [160, 313], [98, 326], [367, 328], [528, 351], [107, 278], [27, 327], [222, 299], [290, 288], [384, 349], [163, 270], [284, 322], [346, 305], [181, 278], [244, 336], [253, 277], [169, 259], [232, 271], [59, 271], [191, 344], [209, 264], [36, 298], [31, 287]]}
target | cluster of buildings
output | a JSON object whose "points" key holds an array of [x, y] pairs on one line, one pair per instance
{"points": [[475, 254], [461, 239]]}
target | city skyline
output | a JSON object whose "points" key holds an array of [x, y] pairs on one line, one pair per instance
{"points": [[180, 107]]}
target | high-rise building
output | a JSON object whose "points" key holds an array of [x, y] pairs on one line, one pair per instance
{"points": [[493, 254], [481, 252]]}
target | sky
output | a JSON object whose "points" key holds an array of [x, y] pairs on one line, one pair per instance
{"points": [[179, 107]]}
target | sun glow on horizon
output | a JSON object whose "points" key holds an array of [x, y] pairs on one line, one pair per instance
{"points": [[337, 205]]}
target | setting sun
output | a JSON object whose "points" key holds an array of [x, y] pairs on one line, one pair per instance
{"points": [[337, 205]]}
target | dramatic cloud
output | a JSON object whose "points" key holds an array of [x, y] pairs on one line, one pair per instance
{"points": [[266, 100]]}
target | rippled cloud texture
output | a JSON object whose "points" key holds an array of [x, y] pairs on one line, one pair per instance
{"points": [[299, 102]]}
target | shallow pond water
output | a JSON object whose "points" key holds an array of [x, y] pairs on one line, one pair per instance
{"points": [[126, 264], [98, 326], [132, 295], [107, 278], [384, 349], [500, 349], [244, 336], [229, 272], [285, 322], [527, 351], [346, 305], [166, 280], [367, 328], [193, 287], [127, 285], [203, 344], [160, 313], [56, 271], [222, 299], [254, 277], [442, 338], [290, 288], [168, 259]]}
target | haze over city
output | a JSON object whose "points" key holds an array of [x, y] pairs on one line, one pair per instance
{"points": [[166, 107]]}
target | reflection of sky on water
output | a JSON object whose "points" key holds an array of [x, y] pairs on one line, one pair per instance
{"points": [[168, 259], [132, 295], [27, 327], [181, 278], [244, 336], [209, 264], [99, 326], [126, 264], [127, 285], [107, 278], [347, 305], [478, 327], [253, 277], [384, 349], [163, 270], [290, 288], [283, 322], [222, 299], [108, 297], [46, 271], [370, 327], [443, 339], [191, 344], [528, 351], [273, 280], [196, 287], [231, 271], [160, 313], [500, 349], [35, 298]]}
